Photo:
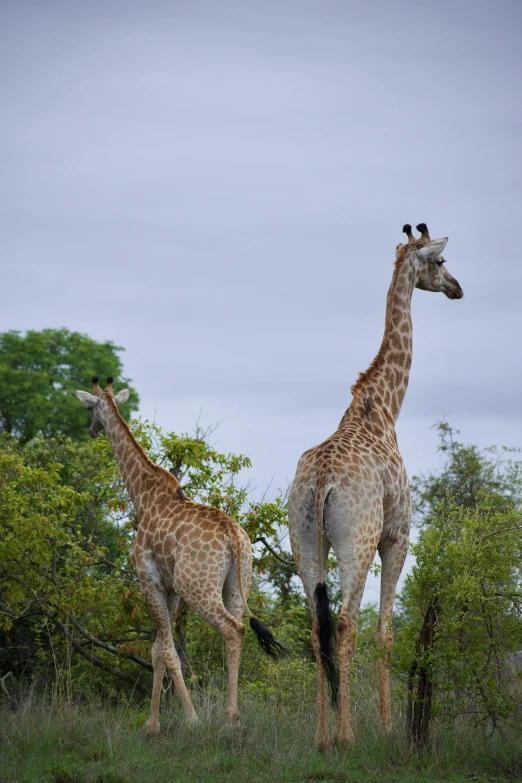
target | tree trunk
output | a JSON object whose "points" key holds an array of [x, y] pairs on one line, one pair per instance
{"points": [[180, 635], [420, 683]]}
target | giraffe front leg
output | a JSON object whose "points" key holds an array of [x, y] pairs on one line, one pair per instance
{"points": [[384, 640]]}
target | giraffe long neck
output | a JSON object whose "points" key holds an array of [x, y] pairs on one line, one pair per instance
{"points": [[138, 472], [386, 379]]}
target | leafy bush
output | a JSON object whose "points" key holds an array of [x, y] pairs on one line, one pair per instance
{"points": [[461, 605]]}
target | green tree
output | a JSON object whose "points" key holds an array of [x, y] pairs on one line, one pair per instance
{"points": [[212, 478], [66, 580], [64, 557], [470, 476], [38, 373], [461, 605]]}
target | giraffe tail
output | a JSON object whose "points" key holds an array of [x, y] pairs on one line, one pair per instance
{"points": [[322, 602], [264, 636]]}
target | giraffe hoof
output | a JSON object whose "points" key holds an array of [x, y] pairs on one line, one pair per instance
{"points": [[152, 729], [344, 739], [343, 744], [323, 743], [233, 720]]}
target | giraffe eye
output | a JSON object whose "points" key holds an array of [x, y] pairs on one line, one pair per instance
{"points": [[439, 263]]}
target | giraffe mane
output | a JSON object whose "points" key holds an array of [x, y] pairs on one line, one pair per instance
{"points": [[366, 375], [140, 450]]}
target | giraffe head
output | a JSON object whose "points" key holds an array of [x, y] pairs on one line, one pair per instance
{"points": [[430, 269], [97, 403]]}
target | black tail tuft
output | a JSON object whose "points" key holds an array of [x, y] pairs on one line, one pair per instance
{"points": [[265, 639], [322, 606]]}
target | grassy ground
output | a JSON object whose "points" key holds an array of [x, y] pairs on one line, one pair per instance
{"points": [[49, 744]]}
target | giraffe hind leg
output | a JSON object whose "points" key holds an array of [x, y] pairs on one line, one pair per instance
{"points": [[233, 606], [310, 575], [353, 531], [230, 625], [393, 554]]}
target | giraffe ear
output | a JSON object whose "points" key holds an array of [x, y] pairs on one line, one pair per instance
{"points": [[432, 250], [89, 400], [122, 396]]}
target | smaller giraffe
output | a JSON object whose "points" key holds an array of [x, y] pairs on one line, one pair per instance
{"points": [[182, 550]]}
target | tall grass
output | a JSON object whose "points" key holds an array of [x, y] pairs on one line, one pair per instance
{"points": [[46, 742]]}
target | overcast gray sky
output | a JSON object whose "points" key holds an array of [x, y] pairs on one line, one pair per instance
{"points": [[219, 187]]}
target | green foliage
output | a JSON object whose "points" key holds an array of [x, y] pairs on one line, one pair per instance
{"points": [[468, 567], [102, 744], [259, 674], [205, 474], [70, 603], [36, 511], [66, 580], [461, 605], [212, 478], [38, 373], [63, 555], [473, 478]]}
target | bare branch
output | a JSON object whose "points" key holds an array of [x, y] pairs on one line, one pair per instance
{"points": [[109, 647], [98, 661], [287, 563], [9, 698], [497, 532], [7, 575]]}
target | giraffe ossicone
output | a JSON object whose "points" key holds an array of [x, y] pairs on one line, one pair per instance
{"points": [[182, 550], [351, 493]]}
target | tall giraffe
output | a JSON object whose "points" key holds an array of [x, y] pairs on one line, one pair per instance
{"points": [[351, 492], [183, 550]]}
